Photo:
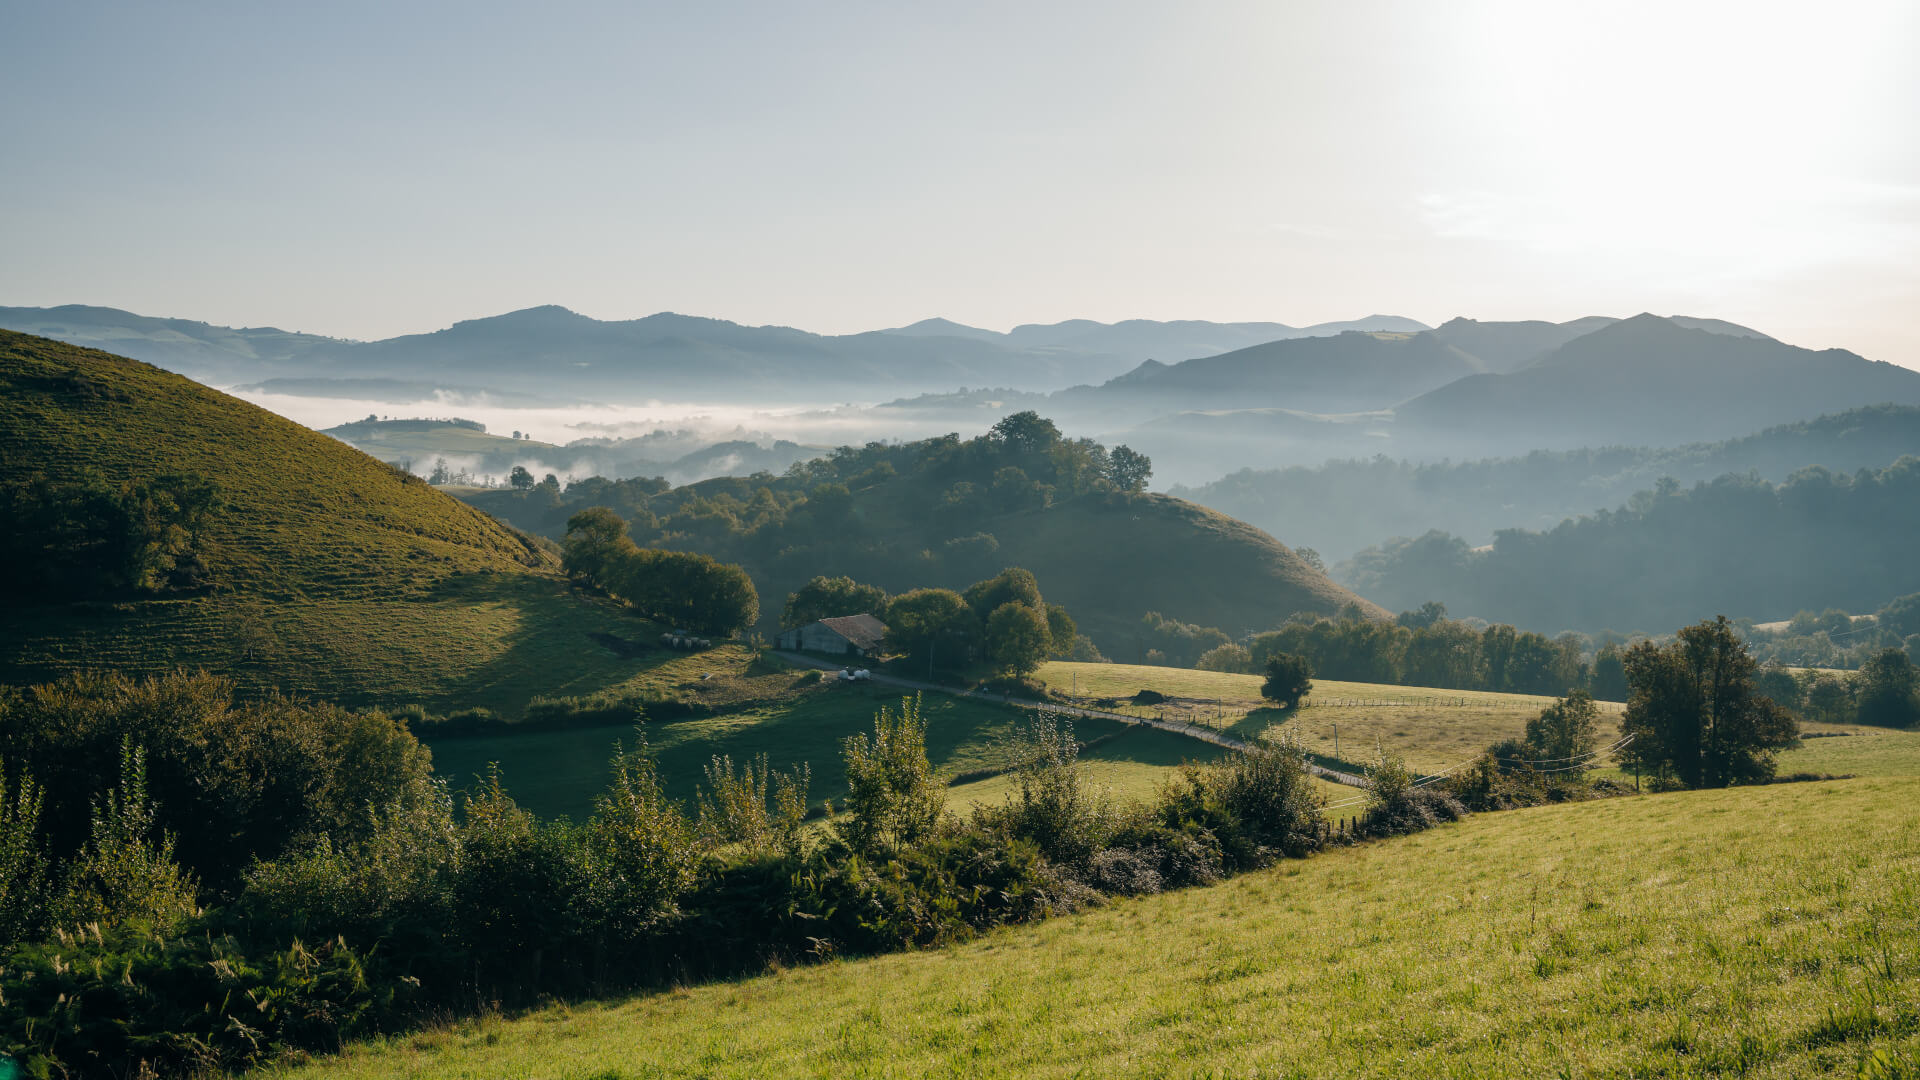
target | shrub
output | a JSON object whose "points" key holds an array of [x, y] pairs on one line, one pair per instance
{"points": [[1228, 657], [1054, 807], [893, 799]]}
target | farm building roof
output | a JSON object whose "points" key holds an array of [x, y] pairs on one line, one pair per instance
{"points": [[864, 631]]}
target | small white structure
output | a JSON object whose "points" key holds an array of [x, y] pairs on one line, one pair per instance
{"points": [[847, 635]]}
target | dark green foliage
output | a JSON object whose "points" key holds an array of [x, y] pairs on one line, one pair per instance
{"points": [[232, 781], [678, 587], [1695, 714], [77, 541], [1887, 691], [125, 872], [1901, 617], [893, 799], [25, 879], [1256, 805], [1562, 738], [1018, 638], [1444, 653], [1289, 680], [825, 598], [1056, 808], [1178, 644], [946, 512], [1819, 538], [935, 624], [132, 1002], [1609, 674]]}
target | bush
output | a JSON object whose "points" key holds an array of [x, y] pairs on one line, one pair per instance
{"points": [[132, 1002], [1289, 680]]}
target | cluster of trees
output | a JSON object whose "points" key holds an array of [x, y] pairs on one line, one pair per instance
{"points": [[334, 834], [1835, 639], [1884, 692], [1421, 647], [1819, 538], [679, 587], [1002, 621], [94, 539]]}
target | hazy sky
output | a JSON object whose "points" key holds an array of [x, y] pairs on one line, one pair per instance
{"points": [[372, 169]]}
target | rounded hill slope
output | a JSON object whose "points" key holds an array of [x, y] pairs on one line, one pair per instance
{"points": [[316, 569]]}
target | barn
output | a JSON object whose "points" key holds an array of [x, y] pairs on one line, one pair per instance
{"points": [[848, 635]]}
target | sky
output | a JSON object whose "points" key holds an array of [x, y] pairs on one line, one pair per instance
{"points": [[366, 170]]}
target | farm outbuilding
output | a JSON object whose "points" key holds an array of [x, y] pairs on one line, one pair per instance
{"points": [[849, 635]]}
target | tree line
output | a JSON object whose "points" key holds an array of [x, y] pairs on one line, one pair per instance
{"points": [[1734, 544], [683, 588], [1001, 621]]}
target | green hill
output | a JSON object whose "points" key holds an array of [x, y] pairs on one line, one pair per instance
{"points": [[1764, 932], [947, 512], [324, 572]]}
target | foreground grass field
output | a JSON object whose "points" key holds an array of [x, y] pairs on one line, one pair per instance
{"points": [[1769, 932]]}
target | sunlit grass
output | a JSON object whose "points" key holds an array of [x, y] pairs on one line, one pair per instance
{"points": [[1764, 932]]}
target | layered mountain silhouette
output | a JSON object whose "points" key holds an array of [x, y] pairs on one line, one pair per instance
{"points": [[1474, 389], [1651, 381], [551, 352]]}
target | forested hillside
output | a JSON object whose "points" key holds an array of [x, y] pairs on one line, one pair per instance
{"points": [[1343, 506], [1737, 545], [949, 512]]}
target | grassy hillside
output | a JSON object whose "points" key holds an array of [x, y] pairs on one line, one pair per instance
{"points": [[330, 574], [1764, 932]]}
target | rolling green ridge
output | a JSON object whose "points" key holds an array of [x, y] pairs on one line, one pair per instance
{"points": [[946, 513], [331, 575], [1762, 932]]}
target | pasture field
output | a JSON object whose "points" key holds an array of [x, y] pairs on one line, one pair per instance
{"points": [[1341, 723], [560, 772], [1766, 932]]}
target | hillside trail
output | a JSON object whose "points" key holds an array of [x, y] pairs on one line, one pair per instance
{"points": [[1191, 731]]}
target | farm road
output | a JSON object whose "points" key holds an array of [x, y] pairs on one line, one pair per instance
{"points": [[1191, 731]]}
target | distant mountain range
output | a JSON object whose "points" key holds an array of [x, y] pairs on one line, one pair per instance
{"points": [[551, 352], [1468, 389]]}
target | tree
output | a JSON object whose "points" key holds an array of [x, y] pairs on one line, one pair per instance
{"points": [[1061, 630], [1289, 680], [520, 479], [1228, 657], [1562, 737], [1887, 690], [1010, 586], [1902, 616], [1018, 638], [595, 538], [1609, 679], [931, 623], [828, 597], [1425, 616], [1129, 469], [1025, 434], [1694, 713], [893, 797]]}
